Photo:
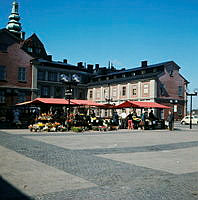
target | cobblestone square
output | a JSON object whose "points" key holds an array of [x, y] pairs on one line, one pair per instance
{"points": [[152, 164]]}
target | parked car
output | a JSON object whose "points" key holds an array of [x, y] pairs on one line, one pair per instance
{"points": [[186, 119]]}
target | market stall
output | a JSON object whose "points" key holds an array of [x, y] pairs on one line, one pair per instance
{"points": [[145, 120], [60, 114]]}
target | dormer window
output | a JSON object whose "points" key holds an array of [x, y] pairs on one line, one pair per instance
{"points": [[171, 73], [29, 49]]}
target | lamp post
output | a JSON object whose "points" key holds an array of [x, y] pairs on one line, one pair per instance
{"points": [[191, 95], [174, 102], [69, 81], [109, 100]]}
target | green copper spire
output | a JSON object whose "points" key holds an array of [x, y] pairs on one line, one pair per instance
{"points": [[14, 25]]}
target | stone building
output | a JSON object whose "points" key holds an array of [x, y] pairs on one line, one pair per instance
{"points": [[160, 83]]}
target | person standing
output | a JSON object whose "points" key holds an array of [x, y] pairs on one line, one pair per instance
{"points": [[123, 119], [170, 120], [130, 121]]}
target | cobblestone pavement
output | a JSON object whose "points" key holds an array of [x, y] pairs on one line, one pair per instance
{"points": [[137, 165]]}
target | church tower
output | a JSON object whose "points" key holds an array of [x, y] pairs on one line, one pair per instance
{"points": [[14, 25]]}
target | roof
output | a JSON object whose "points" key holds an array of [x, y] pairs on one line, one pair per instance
{"points": [[136, 69], [140, 104], [41, 61], [11, 34]]}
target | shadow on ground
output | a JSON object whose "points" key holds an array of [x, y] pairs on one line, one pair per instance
{"points": [[9, 192]]}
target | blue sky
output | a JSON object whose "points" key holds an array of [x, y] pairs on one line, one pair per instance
{"points": [[124, 32]]}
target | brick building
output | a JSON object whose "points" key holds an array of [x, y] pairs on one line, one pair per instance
{"points": [[15, 56]]}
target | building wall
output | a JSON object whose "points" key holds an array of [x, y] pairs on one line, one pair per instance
{"points": [[12, 87], [139, 91], [173, 93], [52, 87]]}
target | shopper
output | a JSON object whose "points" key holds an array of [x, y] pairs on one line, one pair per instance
{"points": [[123, 119], [170, 120], [130, 121]]}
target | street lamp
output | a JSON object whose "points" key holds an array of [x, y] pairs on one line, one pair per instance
{"points": [[191, 95], [174, 102], [74, 79]]}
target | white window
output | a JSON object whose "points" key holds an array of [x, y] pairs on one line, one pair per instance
{"points": [[134, 90], [90, 94], [123, 90], [21, 74], [146, 89], [114, 92], [97, 94]]}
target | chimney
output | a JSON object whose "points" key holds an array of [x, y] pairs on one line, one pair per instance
{"points": [[80, 64], [97, 67], [49, 57], [144, 63], [65, 61], [90, 68]]}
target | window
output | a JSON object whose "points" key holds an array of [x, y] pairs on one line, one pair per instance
{"points": [[2, 96], [52, 76], [145, 89], [41, 75], [105, 93], [21, 97], [29, 49], [37, 50], [45, 91], [180, 91], [162, 89], [98, 94], [57, 92], [134, 90], [22, 74], [123, 90], [114, 92], [90, 94], [2, 73]]}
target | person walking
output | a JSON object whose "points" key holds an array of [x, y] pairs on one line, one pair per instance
{"points": [[170, 120]]}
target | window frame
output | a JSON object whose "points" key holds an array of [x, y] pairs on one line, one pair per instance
{"points": [[22, 74], [3, 73]]}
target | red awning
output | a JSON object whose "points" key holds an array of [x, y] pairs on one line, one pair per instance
{"points": [[24, 103], [141, 104], [108, 106], [81, 102], [54, 101]]}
